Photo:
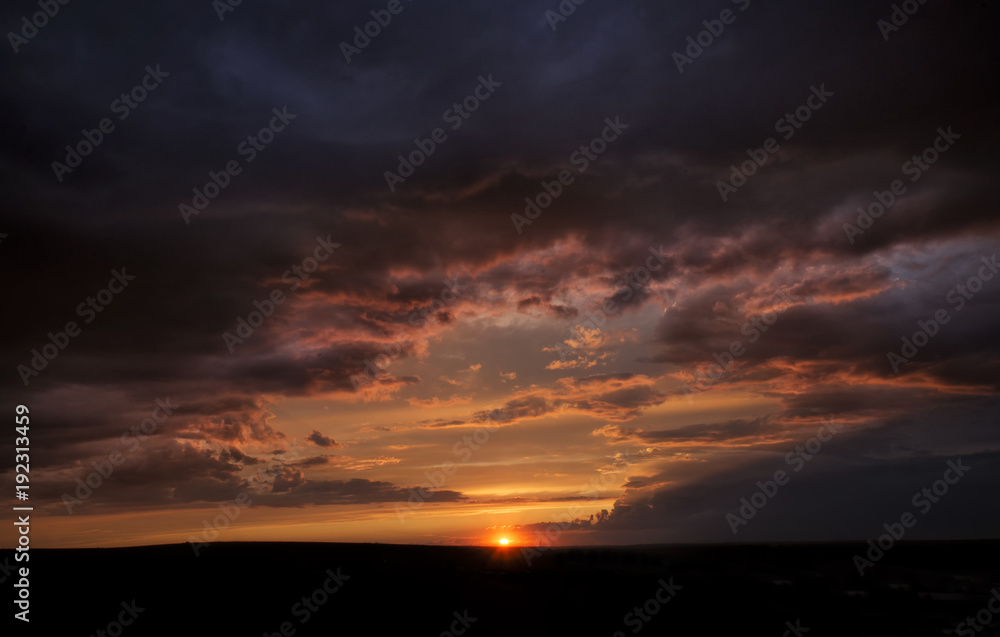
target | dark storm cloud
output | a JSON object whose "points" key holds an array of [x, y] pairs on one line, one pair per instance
{"points": [[168, 473], [833, 323], [324, 177], [704, 433], [297, 491], [855, 483], [227, 74]]}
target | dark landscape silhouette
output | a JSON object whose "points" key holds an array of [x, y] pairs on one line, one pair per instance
{"points": [[253, 588]]}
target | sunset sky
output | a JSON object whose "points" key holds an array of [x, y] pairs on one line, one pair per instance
{"points": [[562, 357]]}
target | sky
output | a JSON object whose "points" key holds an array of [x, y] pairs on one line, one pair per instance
{"points": [[633, 273]]}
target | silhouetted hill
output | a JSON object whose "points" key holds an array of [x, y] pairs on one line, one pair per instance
{"points": [[252, 588]]}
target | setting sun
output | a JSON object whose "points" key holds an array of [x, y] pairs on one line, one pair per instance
{"points": [[504, 541]]}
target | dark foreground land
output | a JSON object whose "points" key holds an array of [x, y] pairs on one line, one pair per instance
{"points": [[254, 588]]}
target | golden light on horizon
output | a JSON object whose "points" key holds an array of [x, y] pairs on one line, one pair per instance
{"points": [[504, 541]]}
